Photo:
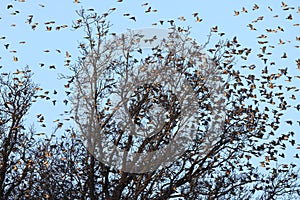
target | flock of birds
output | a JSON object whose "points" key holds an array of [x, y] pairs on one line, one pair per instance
{"points": [[49, 26], [266, 80]]}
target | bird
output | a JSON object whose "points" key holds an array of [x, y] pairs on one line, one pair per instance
{"points": [[198, 19], [244, 10], [298, 63], [255, 7], [251, 27], [290, 17], [281, 42], [280, 28], [270, 8], [215, 29], [171, 21], [34, 25], [283, 4], [148, 10], [29, 20], [284, 55], [182, 18], [133, 18], [68, 55]]}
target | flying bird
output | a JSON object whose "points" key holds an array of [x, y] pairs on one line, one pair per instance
{"points": [[29, 20], [132, 18], [255, 7]]}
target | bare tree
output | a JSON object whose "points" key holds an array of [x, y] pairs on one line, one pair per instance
{"points": [[222, 171], [16, 161]]}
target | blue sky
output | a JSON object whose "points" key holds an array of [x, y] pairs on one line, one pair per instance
{"points": [[214, 13]]}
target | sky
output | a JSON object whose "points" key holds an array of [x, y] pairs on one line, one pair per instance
{"points": [[42, 46]]}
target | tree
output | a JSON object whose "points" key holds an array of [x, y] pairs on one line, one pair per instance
{"points": [[16, 158], [222, 171]]}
